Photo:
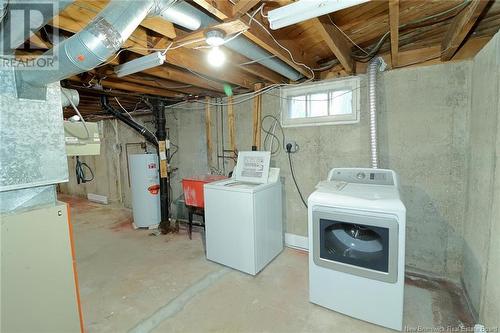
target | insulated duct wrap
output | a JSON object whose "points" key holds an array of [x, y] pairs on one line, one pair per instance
{"points": [[374, 65]]}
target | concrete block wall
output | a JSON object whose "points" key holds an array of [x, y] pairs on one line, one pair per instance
{"points": [[481, 247], [422, 132]]}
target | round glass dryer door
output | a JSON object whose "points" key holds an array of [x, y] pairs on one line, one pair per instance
{"points": [[360, 244], [354, 241], [355, 244]]}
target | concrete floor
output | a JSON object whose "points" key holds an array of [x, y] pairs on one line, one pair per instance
{"points": [[131, 280]]}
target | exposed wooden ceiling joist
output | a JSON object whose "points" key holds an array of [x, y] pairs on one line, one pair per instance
{"points": [[128, 86], [460, 28], [224, 10], [243, 6], [160, 26], [394, 27], [74, 18], [336, 41], [194, 38]]}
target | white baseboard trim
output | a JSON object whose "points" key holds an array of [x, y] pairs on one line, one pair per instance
{"points": [[102, 199], [297, 242]]}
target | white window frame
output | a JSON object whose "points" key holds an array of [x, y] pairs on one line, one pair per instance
{"points": [[350, 83]]}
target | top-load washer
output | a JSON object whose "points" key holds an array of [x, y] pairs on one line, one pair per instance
{"points": [[357, 245], [243, 215]]}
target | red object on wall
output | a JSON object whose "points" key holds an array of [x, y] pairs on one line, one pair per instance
{"points": [[154, 189], [193, 189]]}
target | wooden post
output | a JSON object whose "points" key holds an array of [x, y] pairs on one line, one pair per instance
{"points": [[257, 116], [232, 127], [208, 131]]}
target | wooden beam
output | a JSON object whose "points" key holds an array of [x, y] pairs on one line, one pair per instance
{"points": [[163, 84], [231, 125], [243, 6], [224, 10], [208, 131], [257, 117], [460, 28], [174, 74], [336, 41], [156, 24], [132, 87], [394, 27], [140, 88], [161, 26], [198, 37]]}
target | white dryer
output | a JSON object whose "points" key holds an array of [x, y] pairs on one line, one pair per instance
{"points": [[243, 215], [357, 245]]}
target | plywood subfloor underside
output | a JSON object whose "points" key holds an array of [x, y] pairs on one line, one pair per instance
{"points": [[132, 280]]}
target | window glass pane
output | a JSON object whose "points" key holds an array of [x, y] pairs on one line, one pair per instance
{"points": [[318, 105], [341, 102], [297, 107]]}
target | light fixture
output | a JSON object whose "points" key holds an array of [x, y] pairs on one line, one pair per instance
{"points": [[216, 57], [303, 10], [215, 37], [140, 64]]}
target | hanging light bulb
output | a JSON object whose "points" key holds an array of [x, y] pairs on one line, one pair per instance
{"points": [[216, 57]]}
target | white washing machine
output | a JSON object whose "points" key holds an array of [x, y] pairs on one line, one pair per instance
{"points": [[243, 215], [357, 245]]}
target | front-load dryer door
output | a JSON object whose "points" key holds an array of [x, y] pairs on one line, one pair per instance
{"points": [[358, 244]]}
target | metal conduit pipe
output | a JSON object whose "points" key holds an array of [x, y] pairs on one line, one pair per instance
{"points": [[374, 65], [97, 42], [241, 44]]}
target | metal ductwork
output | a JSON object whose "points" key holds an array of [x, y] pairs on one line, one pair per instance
{"points": [[37, 19], [241, 44], [106, 33], [96, 43], [175, 14], [69, 97], [376, 64]]}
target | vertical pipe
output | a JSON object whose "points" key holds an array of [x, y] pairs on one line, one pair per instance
{"points": [[161, 135], [372, 96]]}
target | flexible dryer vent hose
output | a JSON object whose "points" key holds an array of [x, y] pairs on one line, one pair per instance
{"points": [[375, 64]]}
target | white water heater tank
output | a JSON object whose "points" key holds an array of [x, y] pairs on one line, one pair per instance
{"points": [[145, 188]]}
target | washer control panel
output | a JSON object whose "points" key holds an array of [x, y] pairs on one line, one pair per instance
{"points": [[363, 176]]}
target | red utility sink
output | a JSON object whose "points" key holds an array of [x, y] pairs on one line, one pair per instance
{"points": [[193, 189]]}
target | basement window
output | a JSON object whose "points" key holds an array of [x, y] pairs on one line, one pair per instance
{"points": [[324, 103]]}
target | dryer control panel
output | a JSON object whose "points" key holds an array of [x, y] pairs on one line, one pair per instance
{"points": [[363, 176]]}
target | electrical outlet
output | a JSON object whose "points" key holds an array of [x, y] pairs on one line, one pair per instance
{"points": [[294, 145]]}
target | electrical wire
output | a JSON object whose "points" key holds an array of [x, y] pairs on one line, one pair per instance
{"points": [[81, 178], [280, 45], [374, 50], [132, 118], [78, 113], [295, 180], [175, 151], [271, 135], [346, 36]]}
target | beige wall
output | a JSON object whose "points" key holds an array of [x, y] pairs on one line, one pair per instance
{"points": [[423, 135], [481, 272]]}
